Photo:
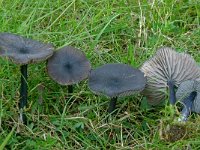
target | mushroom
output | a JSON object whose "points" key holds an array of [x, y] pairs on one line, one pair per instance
{"points": [[188, 93], [167, 69], [116, 80], [68, 66], [23, 51]]}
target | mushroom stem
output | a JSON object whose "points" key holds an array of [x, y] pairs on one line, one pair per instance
{"points": [[188, 102], [112, 104], [172, 96], [70, 89], [23, 92]]}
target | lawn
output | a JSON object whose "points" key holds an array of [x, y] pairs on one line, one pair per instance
{"points": [[124, 31]]}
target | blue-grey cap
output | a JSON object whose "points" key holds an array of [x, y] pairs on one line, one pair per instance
{"points": [[68, 65], [115, 80], [23, 50]]}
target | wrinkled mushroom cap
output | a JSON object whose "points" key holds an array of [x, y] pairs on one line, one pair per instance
{"points": [[115, 80], [68, 66], [184, 90], [167, 65], [22, 50]]}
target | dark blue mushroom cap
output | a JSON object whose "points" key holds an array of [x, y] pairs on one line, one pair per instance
{"points": [[114, 80], [23, 50], [68, 66]]}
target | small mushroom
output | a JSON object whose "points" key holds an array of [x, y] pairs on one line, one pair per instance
{"points": [[68, 66], [115, 80], [23, 51], [188, 93], [167, 69]]}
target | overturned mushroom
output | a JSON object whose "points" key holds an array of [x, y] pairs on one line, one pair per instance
{"points": [[115, 80], [68, 66], [167, 69], [23, 51], [189, 94]]}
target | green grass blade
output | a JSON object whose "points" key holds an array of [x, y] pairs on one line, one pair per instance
{"points": [[7, 138]]}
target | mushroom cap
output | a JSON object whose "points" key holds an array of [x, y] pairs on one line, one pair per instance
{"points": [[114, 80], [198, 79], [184, 90], [167, 65], [23, 50], [68, 66]]}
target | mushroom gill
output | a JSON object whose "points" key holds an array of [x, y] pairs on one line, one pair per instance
{"points": [[188, 93], [166, 70]]}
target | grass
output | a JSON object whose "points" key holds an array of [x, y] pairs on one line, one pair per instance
{"points": [[107, 31]]}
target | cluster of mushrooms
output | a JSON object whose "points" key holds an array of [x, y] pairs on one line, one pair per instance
{"points": [[167, 70]]}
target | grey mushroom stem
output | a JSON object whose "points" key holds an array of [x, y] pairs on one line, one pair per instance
{"points": [[23, 92], [188, 102], [112, 104], [172, 95], [70, 89]]}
